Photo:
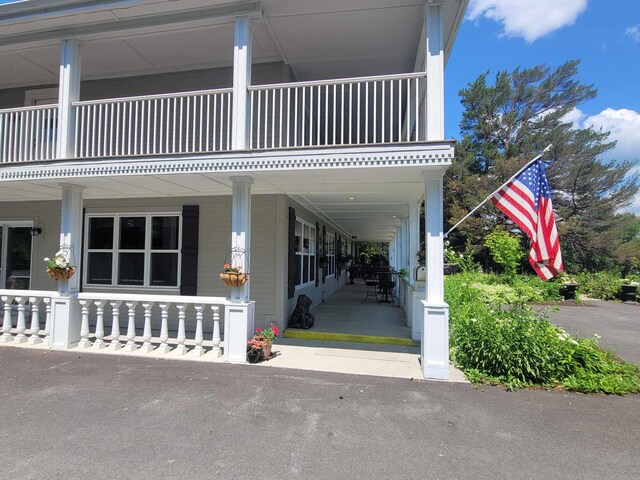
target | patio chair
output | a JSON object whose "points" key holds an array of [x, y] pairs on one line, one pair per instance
{"points": [[372, 289]]}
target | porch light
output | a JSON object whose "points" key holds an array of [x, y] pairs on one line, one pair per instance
{"points": [[36, 231], [351, 198]]}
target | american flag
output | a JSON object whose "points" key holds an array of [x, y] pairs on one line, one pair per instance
{"points": [[527, 201]]}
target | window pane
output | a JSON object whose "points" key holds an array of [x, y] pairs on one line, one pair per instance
{"points": [[312, 241], [132, 233], [305, 244], [305, 269], [99, 268], [164, 233], [131, 269], [164, 269], [298, 237], [101, 233], [298, 269], [312, 266]]}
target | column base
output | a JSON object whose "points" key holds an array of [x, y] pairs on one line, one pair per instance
{"points": [[6, 338], [163, 349], [130, 348], [84, 343], [435, 341], [197, 352], [146, 348], [238, 328], [181, 350], [34, 340], [99, 344]]}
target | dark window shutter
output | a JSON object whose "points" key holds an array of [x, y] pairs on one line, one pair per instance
{"points": [[338, 253], [317, 253], [324, 252], [291, 273], [189, 269]]}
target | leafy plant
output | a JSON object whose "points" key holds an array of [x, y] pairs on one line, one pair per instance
{"points": [[268, 334], [505, 249]]}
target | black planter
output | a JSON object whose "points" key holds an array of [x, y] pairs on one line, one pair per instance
{"points": [[253, 356], [568, 291], [628, 293], [451, 268]]}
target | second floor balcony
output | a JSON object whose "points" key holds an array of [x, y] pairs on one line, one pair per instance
{"points": [[344, 112]]}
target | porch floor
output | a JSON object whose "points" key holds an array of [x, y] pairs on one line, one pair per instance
{"points": [[347, 312]]}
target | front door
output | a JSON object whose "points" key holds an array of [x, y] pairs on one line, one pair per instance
{"points": [[15, 255]]}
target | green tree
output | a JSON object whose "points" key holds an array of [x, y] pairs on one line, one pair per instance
{"points": [[506, 124], [505, 249]]}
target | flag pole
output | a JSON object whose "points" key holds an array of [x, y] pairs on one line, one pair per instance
{"points": [[497, 190]]}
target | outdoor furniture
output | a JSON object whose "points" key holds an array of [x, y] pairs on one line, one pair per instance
{"points": [[372, 289]]}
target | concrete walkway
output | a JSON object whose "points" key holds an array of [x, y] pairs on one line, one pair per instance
{"points": [[69, 415]]}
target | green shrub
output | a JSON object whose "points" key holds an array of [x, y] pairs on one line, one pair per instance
{"points": [[520, 347], [600, 285], [505, 249]]}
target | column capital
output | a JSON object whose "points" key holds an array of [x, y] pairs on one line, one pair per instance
{"points": [[72, 186], [242, 179], [437, 172]]}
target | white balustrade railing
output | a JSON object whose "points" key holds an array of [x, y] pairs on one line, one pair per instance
{"points": [[22, 312], [189, 122], [28, 134], [174, 311], [354, 111]]}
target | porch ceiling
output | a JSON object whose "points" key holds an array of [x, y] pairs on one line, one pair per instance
{"points": [[319, 39], [364, 202]]}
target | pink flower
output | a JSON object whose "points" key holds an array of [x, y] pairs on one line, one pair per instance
{"points": [[274, 329], [258, 330]]}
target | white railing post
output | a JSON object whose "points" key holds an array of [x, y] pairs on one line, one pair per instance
{"points": [[164, 328], [84, 329], [181, 349], [99, 341], [47, 322], [216, 351], [199, 337], [6, 321], [21, 325], [242, 56], [131, 327], [34, 331], [115, 325], [146, 334]]}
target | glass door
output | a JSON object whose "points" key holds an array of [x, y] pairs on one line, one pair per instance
{"points": [[15, 260]]}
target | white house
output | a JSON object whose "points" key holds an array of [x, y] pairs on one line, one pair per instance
{"points": [[155, 140]]}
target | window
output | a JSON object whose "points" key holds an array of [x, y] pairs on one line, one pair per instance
{"points": [[305, 253], [137, 250], [15, 255], [330, 249]]}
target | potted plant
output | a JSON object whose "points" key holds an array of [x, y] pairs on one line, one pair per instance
{"points": [[569, 286], [233, 276], [255, 348], [59, 267], [629, 290], [267, 336], [324, 262]]}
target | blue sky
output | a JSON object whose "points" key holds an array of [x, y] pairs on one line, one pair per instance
{"points": [[604, 35]]}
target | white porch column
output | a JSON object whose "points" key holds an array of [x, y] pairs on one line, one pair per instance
{"points": [[67, 314], [414, 240], [434, 66], [435, 330], [239, 317], [242, 53], [69, 92]]}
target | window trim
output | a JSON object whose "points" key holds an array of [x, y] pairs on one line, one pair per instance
{"points": [[312, 271], [148, 251], [330, 253]]}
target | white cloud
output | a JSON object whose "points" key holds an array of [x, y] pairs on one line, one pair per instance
{"points": [[634, 32], [529, 19], [624, 125]]}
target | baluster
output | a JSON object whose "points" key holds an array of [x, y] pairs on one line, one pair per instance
{"points": [[47, 322], [84, 328], [21, 327], [99, 342], [34, 338], [115, 325], [216, 351], [131, 327], [6, 321], [164, 329], [146, 334], [181, 349], [198, 350]]}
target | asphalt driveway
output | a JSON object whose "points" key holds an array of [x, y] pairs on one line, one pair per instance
{"points": [[81, 416], [617, 323]]}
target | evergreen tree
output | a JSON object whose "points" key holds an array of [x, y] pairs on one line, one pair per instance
{"points": [[505, 125]]}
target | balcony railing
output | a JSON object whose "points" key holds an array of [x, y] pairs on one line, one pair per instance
{"points": [[28, 134], [355, 111]]}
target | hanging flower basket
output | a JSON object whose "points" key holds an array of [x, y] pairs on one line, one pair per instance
{"points": [[232, 279], [61, 273]]}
